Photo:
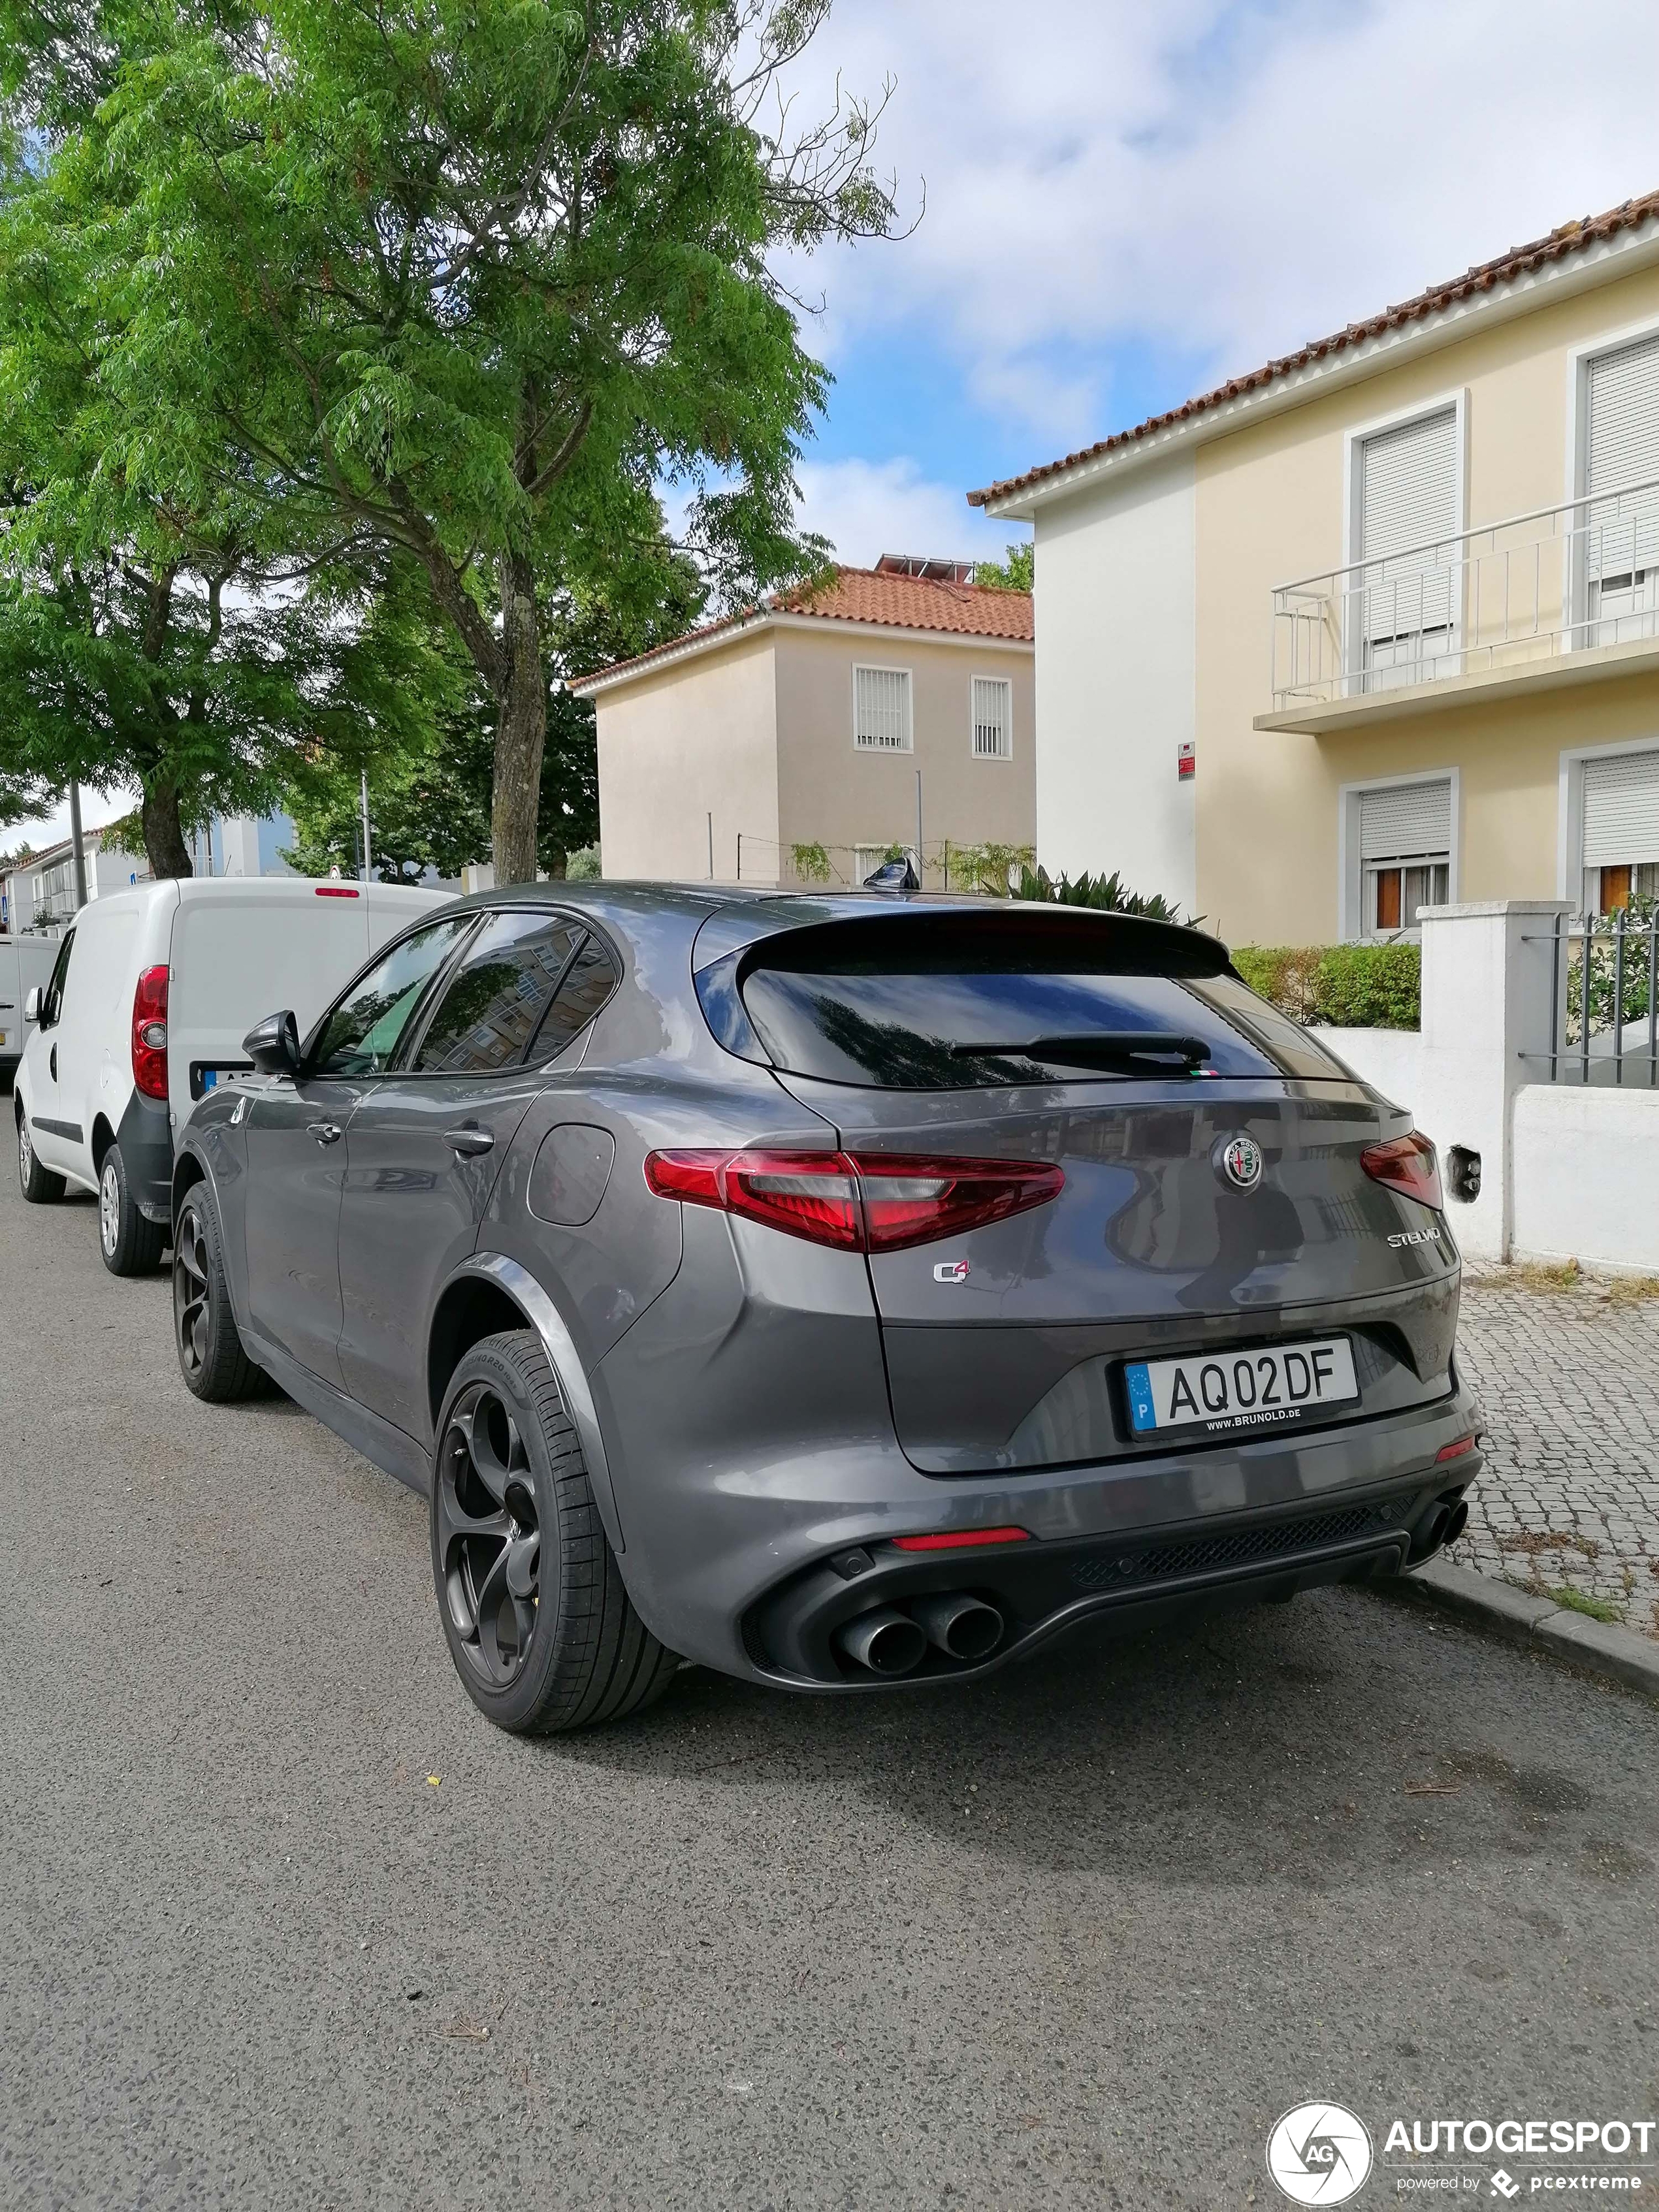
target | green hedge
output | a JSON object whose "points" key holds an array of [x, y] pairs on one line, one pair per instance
{"points": [[1344, 986]]}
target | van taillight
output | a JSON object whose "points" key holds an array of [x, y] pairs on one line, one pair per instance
{"points": [[149, 1033], [860, 1201]]}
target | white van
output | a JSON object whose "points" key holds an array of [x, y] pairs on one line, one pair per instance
{"points": [[148, 1002], [25, 965]]}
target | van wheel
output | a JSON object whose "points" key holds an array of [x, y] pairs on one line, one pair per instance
{"points": [[539, 1625], [130, 1245], [41, 1186], [211, 1355]]}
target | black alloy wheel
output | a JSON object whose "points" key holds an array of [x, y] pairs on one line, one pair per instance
{"points": [[211, 1355], [536, 1616], [489, 1536]]}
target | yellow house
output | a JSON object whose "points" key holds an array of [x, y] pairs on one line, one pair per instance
{"points": [[1377, 626], [887, 707]]}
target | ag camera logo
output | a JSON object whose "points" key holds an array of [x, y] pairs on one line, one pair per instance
{"points": [[1319, 2154]]}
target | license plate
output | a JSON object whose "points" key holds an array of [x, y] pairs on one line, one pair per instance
{"points": [[1241, 1390]]}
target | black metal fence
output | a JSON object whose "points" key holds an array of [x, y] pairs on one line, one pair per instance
{"points": [[1604, 1013]]}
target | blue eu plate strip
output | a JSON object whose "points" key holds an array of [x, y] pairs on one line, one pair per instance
{"points": [[1139, 1384]]}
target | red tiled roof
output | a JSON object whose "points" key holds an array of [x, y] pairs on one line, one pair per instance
{"points": [[1570, 238], [866, 595]]}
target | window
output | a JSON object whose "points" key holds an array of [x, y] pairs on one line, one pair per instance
{"points": [[493, 1004], [1405, 594], [1405, 854], [591, 980], [1621, 533], [993, 718], [1621, 831], [51, 998], [881, 710], [920, 1008], [363, 1032]]}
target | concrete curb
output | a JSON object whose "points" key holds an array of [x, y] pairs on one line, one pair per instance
{"points": [[1593, 1647]]}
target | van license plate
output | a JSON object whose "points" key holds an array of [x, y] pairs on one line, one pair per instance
{"points": [[1241, 1390]]}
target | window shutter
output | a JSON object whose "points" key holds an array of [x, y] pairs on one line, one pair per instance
{"points": [[1404, 820], [1408, 497], [993, 707], [1621, 809], [1622, 447], [881, 709], [1408, 485]]}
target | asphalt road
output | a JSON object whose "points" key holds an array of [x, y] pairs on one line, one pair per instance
{"points": [[284, 1923]]}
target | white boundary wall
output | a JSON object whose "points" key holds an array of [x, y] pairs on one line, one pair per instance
{"points": [[1587, 1177], [1567, 1172]]}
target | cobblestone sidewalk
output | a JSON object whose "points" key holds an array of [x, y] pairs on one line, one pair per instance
{"points": [[1569, 1384]]}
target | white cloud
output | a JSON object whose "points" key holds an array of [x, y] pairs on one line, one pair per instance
{"points": [[866, 508], [1227, 177]]}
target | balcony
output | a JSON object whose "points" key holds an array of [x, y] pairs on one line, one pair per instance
{"points": [[1565, 594]]}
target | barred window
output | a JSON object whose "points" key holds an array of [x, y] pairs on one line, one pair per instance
{"points": [[993, 718], [881, 709]]}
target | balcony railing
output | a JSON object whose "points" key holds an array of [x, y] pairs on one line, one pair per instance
{"points": [[1525, 591]]}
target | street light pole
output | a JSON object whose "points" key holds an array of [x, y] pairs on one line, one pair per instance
{"points": [[79, 845], [367, 860]]}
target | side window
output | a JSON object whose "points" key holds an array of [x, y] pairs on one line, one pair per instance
{"points": [[51, 1003], [364, 1031], [592, 980], [494, 1001]]}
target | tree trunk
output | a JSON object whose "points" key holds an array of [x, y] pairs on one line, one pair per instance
{"points": [[520, 728], [164, 835]]}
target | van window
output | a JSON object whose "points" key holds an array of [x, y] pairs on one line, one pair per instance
{"points": [[51, 1003], [364, 1032], [973, 1005]]}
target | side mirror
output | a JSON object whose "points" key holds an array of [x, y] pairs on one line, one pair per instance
{"points": [[273, 1045], [32, 1003]]}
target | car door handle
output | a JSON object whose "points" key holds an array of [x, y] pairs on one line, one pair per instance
{"points": [[326, 1133], [470, 1143]]}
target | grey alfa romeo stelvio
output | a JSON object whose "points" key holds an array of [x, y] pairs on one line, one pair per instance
{"points": [[842, 1291]]}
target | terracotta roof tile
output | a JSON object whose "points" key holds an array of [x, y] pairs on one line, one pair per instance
{"points": [[1520, 260], [867, 595]]}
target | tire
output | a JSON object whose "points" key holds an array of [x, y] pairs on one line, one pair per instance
{"points": [[512, 1513], [130, 1244], [41, 1186], [205, 1334]]}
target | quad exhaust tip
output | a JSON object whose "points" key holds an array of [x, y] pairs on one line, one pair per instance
{"points": [[888, 1642], [961, 1627]]}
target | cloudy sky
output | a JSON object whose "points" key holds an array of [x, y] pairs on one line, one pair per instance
{"points": [[1126, 199]]}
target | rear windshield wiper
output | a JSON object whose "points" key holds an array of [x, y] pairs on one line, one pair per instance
{"points": [[1092, 1048]]}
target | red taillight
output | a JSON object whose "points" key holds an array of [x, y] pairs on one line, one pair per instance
{"points": [[1408, 1165], [149, 1033], [1454, 1451], [334, 890], [861, 1202], [962, 1539]]}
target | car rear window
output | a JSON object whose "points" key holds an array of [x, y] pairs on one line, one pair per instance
{"points": [[863, 1007]]}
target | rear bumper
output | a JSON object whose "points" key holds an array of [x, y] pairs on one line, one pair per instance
{"points": [[1128, 1544]]}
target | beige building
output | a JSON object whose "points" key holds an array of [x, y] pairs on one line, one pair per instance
{"points": [[1375, 625], [827, 719]]}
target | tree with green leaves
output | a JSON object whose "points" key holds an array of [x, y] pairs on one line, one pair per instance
{"points": [[466, 281], [1016, 573], [159, 628]]}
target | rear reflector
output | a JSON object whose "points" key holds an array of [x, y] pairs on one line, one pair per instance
{"points": [[857, 1202], [1454, 1451], [336, 890], [962, 1539], [1408, 1165]]}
